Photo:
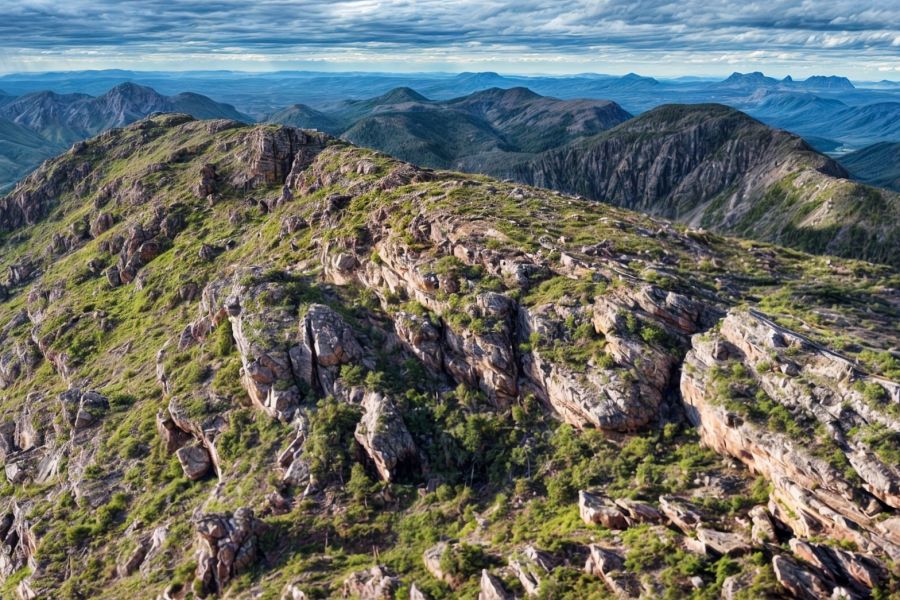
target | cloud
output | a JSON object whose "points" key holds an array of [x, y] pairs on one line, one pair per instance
{"points": [[183, 35]]}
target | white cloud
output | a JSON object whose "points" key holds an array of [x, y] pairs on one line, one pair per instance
{"points": [[179, 34]]}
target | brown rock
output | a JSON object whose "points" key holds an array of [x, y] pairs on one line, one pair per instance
{"points": [[195, 461], [639, 512], [763, 530], [597, 510], [610, 567], [731, 544], [228, 546], [803, 583], [681, 514]]}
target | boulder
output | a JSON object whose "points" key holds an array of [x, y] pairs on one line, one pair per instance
{"points": [[598, 510], [610, 567], [82, 409], [530, 566], [638, 512], [432, 559], [491, 588], [384, 436], [680, 513], [206, 184], [195, 461], [228, 546], [802, 582], [292, 591], [131, 562], [173, 436], [371, 584], [731, 544], [763, 529]]}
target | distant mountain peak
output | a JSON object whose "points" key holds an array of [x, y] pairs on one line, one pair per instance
{"points": [[755, 78], [829, 82], [401, 95], [515, 93]]}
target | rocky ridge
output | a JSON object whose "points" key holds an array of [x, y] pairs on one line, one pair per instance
{"points": [[350, 301]]}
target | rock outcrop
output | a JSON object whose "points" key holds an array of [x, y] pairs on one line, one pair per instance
{"points": [[383, 435], [531, 566], [781, 375], [596, 510], [491, 588], [228, 546], [372, 584], [610, 567]]}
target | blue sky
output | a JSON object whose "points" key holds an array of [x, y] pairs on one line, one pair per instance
{"points": [[859, 39]]}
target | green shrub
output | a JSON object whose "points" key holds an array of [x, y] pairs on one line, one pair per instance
{"points": [[464, 561]]}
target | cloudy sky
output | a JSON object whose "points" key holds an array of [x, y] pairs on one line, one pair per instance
{"points": [[856, 38]]}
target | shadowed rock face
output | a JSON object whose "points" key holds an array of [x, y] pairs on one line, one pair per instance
{"points": [[715, 167], [300, 334]]}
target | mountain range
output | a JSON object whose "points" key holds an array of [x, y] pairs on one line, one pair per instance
{"points": [[254, 361], [54, 121], [878, 164], [705, 165], [262, 94]]}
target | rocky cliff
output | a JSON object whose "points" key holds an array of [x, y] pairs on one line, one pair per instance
{"points": [[262, 362], [712, 166]]}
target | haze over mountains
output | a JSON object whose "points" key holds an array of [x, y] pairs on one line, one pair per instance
{"points": [[261, 94], [878, 165]]}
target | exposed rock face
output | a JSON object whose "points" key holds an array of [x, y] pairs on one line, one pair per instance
{"points": [[372, 584], [680, 513], [810, 495], [130, 563], [801, 582], [206, 185], [173, 436], [492, 588], [432, 559], [82, 409], [278, 353], [478, 312], [383, 435], [721, 542], [856, 571], [195, 461], [711, 165], [17, 541], [610, 567], [228, 546], [530, 567], [596, 510], [271, 156], [638, 512], [763, 529]]}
